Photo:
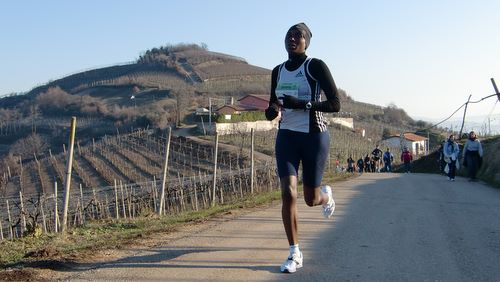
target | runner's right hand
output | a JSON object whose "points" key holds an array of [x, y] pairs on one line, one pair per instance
{"points": [[272, 111]]}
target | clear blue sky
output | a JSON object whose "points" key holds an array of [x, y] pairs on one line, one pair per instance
{"points": [[425, 56]]}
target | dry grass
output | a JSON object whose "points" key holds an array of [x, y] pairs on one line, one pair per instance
{"points": [[490, 171]]}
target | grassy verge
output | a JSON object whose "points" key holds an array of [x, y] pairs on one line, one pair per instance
{"points": [[115, 234], [110, 234]]}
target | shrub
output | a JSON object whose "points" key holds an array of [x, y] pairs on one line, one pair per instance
{"points": [[244, 116]]}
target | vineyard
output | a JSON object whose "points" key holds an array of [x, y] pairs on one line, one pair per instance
{"points": [[121, 176]]}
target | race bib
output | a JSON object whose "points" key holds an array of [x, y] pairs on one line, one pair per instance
{"points": [[291, 89]]}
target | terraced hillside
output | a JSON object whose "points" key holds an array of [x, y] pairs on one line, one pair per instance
{"points": [[158, 73]]}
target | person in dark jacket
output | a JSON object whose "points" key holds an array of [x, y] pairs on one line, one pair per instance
{"points": [[406, 158], [473, 155], [350, 164], [441, 161], [368, 163], [376, 159], [388, 159], [451, 152], [361, 165]]}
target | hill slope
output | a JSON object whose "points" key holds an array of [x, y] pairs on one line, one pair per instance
{"points": [[163, 87], [171, 68]]}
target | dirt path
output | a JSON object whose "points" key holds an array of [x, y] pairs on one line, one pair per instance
{"points": [[387, 227]]}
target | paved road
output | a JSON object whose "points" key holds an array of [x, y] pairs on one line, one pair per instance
{"points": [[387, 227]]}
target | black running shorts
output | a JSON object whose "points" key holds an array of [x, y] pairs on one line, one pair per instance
{"points": [[311, 149]]}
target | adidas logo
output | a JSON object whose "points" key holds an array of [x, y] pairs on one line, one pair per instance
{"points": [[300, 74]]}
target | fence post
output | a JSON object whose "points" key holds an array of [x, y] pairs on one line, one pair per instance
{"points": [[1, 229], [155, 193], [9, 217], [193, 183], [69, 166], [116, 201], [215, 168], [123, 200], [23, 213], [56, 212], [42, 199], [81, 204], [252, 160], [165, 168]]}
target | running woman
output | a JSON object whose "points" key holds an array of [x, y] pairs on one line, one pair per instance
{"points": [[302, 136]]}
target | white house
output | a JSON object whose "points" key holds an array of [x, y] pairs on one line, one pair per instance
{"points": [[418, 145]]}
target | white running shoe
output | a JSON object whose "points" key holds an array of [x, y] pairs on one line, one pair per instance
{"points": [[292, 263], [328, 208]]}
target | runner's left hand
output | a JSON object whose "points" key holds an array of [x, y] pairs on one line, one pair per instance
{"points": [[291, 102]]}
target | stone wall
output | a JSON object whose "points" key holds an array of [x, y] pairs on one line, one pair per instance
{"points": [[244, 127]]}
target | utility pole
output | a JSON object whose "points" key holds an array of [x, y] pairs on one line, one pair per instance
{"points": [[210, 109], [463, 120], [209, 112], [496, 89]]}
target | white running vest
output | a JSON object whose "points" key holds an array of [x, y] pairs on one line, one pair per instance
{"points": [[294, 83]]}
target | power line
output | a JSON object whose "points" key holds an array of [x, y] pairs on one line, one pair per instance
{"points": [[466, 103], [447, 117]]}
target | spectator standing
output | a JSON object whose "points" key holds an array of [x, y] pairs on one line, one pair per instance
{"points": [[451, 152], [350, 164], [407, 158], [376, 157], [388, 159], [473, 155], [368, 165], [338, 169], [361, 165], [441, 161]]}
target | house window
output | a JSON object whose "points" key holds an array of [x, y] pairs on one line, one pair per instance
{"points": [[227, 117]]}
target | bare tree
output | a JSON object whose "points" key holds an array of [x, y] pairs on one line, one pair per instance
{"points": [[28, 146]]}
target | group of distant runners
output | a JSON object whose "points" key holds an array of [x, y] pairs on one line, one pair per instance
{"points": [[379, 161]]}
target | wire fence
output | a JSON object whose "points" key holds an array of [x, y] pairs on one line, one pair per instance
{"points": [[41, 212]]}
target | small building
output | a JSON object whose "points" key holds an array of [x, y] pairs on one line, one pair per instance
{"points": [[229, 110], [251, 102], [202, 112], [418, 145], [255, 101]]}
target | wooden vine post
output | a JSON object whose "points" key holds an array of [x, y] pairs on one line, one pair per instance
{"points": [[69, 166], [215, 168], [252, 176], [165, 169]]}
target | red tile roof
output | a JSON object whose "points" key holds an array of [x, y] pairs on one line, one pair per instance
{"points": [[264, 97], [410, 137]]}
